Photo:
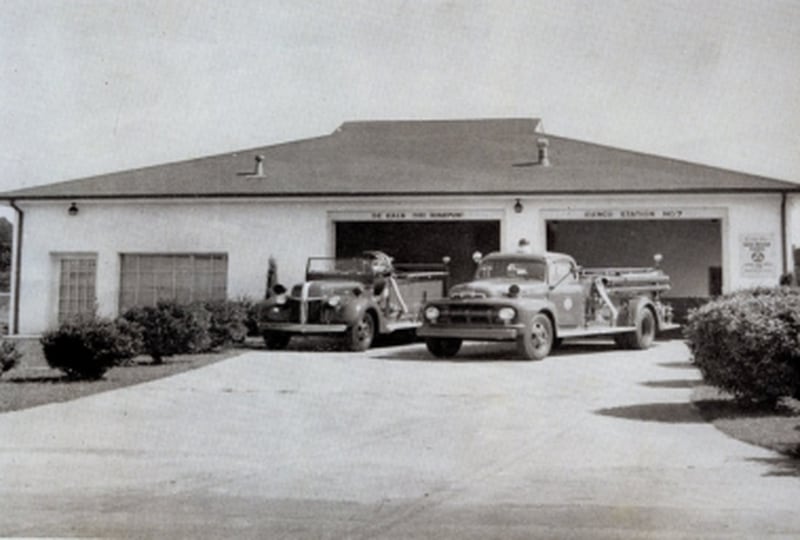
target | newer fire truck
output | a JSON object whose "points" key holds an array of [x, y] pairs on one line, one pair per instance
{"points": [[537, 300]]}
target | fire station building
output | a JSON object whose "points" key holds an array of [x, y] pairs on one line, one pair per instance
{"points": [[419, 190]]}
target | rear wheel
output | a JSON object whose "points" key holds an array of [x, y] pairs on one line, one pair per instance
{"points": [[537, 340], [645, 330], [276, 341], [359, 336], [643, 336], [443, 347]]}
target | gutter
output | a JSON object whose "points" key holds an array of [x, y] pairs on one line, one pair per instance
{"points": [[307, 195], [16, 279], [784, 235]]}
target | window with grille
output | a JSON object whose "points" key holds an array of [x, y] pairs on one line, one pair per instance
{"points": [[149, 278], [76, 287]]}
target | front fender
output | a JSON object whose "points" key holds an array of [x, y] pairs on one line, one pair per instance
{"points": [[527, 308], [354, 310]]}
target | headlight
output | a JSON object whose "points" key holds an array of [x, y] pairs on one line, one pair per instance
{"points": [[431, 313], [334, 300], [280, 299], [506, 314]]}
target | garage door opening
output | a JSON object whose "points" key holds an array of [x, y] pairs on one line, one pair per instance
{"points": [[692, 251], [421, 241]]}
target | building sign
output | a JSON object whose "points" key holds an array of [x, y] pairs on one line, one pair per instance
{"points": [[415, 215], [405, 214], [632, 213], [758, 255]]}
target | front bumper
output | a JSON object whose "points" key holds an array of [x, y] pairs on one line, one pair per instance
{"points": [[297, 328], [500, 333]]}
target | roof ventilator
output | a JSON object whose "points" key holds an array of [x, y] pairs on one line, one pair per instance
{"points": [[258, 171], [544, 157]]}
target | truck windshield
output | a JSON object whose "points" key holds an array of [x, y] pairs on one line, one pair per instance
{"points": [[512, 268], [326, 266]]}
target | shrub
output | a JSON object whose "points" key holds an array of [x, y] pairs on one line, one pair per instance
{"points": [[170, 328], [227, 322], [9, 356], [87, 348], [748, 343], [254, 316]]}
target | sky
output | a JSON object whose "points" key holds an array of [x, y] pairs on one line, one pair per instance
{"points": [[90, 87]]}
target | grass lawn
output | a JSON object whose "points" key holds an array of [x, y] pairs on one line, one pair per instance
{"points": [[24, 387], [777, 430]]}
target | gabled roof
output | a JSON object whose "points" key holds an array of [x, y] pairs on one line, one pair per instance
{"points": [[472, 157]]}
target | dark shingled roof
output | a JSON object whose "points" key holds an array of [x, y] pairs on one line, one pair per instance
{"points": [[473, 157]]}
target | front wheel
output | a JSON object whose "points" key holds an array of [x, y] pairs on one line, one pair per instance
{"points": [[536, 340], [359, 336], [443, 347]]}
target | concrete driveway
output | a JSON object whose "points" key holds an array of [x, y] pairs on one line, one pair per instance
{"points": [[590, 443]]}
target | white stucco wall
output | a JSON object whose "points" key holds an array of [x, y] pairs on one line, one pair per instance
{"points": [[250, 231]]}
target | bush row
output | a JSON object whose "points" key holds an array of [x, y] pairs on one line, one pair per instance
{"points": [[87, 348], [748, 343]]}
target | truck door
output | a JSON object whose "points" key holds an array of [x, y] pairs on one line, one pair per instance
{"points": [[566, 293]]}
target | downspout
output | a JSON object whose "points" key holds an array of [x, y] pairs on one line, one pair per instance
{"points": [[784, 235], [17, 277]]}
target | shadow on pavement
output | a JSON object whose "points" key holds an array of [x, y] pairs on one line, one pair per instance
{"points": [[673, 413], [782, 466], [678, 365], [674, 383], [702, 411], [490, 352]]}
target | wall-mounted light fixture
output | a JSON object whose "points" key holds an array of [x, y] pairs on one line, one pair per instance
{"points": [[518, 208], [73, 209]]}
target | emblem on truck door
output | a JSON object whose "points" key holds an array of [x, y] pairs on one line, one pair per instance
{"points": [[568, 303]]}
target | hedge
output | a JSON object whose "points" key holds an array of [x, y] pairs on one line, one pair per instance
{"points": [[86, 348], [170, 328], [9, 356], [748, 343]]}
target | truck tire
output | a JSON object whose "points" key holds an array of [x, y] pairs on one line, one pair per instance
{"points": [[645, 330], [276, 341], [536, 341], [443, 347], [644, 335], [359, 336]]}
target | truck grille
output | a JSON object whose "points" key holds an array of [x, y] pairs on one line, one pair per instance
{"points": [[314, 311], [467, 314]]}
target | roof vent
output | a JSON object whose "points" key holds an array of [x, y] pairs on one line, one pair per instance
{"points": [[258, 171], [544, 157]]}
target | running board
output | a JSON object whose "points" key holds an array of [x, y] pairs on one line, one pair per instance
{"points": [[606, 330], [596, 331], [402, 325]]}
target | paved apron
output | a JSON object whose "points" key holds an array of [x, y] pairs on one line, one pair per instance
{"points": [[590, 443]]}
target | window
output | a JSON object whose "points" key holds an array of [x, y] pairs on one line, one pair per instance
{"points": [[529, 269], [559, 271], [148, 278], [76, 286]]}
